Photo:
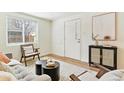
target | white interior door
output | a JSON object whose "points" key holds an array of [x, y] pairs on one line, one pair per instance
{"points": [[72, 39]]}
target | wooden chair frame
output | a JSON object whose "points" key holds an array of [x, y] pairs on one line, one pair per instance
{"points": [[35, 50], [101, 72]]}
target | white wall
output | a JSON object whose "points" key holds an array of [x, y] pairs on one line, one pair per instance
{"points": [[58, 34], [44, 32], [58, 37], [86, 33]]}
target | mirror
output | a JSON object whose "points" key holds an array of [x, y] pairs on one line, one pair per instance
{"points": [[104, 27]]}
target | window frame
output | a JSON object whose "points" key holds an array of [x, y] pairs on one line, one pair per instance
{"points": [[23, 35]]}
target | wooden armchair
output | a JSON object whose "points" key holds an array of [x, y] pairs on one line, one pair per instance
{"points": [[101, 72], [27, 51]]}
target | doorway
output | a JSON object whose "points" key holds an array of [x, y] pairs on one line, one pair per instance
{"points": [[72, 39]]}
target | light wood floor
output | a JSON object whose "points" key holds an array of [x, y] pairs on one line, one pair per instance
{"points": [[72, 61]]}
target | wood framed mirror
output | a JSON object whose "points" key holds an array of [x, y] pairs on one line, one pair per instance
{"points": [[104, 26]]}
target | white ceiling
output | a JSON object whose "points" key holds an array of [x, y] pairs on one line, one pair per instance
{"points": [[52, 15]]}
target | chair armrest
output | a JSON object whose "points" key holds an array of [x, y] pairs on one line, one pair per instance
{"points": [[74, 77], [102, 71], [36, 49], [102, 67]]}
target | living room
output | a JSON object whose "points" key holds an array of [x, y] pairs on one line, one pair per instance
{"points": [[61, 46], [50, 33]]}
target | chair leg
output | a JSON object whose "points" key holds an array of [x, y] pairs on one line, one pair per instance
{"points": [[21, 59], [33, 57], [38, 57], [25, 61]]}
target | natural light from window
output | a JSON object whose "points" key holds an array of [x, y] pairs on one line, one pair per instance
{"points": [[21, 30]]}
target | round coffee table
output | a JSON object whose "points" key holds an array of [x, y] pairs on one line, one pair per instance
{"points": [[53, 72]]}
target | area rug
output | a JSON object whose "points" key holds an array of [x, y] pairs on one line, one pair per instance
{"points": [[66, 70]]}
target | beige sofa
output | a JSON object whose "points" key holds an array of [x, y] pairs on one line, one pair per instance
{"points": [[16, 71]]}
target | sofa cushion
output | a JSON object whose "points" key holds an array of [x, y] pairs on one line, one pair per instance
{"points": [[17, 69], [6, 76], [115, 75], [44, 77], [28, 77], [4, 67], [21, 73]]}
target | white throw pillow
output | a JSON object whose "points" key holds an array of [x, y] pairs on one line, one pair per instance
{"points": [[14, 62], [115, 75]]}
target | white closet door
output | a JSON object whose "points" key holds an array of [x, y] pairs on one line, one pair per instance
{"points": [[72, 39]]}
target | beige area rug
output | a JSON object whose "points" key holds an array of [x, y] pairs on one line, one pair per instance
{"points": [[66, 69]]}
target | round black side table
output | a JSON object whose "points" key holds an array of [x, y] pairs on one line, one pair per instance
{"points": [[53, 72]]}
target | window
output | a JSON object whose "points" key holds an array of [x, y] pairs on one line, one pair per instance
{"points": [[21, 30]]}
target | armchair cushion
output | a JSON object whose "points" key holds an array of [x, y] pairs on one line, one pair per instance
{"points": [[89, 76], [33, 53], [28, 49], [114, 75]]}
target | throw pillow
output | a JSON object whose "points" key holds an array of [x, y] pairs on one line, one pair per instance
{"points": [[13, 62], [4, 58]]}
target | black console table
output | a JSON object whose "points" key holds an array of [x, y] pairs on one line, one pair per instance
{"points": [[103, 55]]}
